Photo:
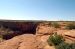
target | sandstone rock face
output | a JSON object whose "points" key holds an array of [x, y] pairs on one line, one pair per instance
{"points": [[42, 42], [69, 35], [27, 26], [11, 29], [45, 29], [66, 32], [20, 26], [61, 32], [49, 47], [26, 41]]}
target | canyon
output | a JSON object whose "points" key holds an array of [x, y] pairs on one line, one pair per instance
{"points": [[32, 35]]}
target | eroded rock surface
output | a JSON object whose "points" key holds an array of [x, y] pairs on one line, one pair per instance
{"points": [[45, 29], [69, 35], [26, 41]]}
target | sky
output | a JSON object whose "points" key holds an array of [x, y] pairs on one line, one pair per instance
{"points": [[51, 10]]}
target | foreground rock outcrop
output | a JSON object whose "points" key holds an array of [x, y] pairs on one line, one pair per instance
{"points": [[26, 41]]}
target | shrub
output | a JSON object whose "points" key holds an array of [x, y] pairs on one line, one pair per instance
{"points": [[65, 46], [56, 25], [55, 39], [70, 26], [58, 42], [72, 46], [1, 36]]}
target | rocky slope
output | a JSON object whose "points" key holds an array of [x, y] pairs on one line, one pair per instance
{"points": [[39, 39]]}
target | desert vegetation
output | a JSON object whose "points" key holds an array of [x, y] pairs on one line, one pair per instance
{"points": [[55, 24], [70, 26], [58, 42], [55, 39], [65, 46]]}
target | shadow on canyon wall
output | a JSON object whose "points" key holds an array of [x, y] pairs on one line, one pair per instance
{"points": [[19, 28]]}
